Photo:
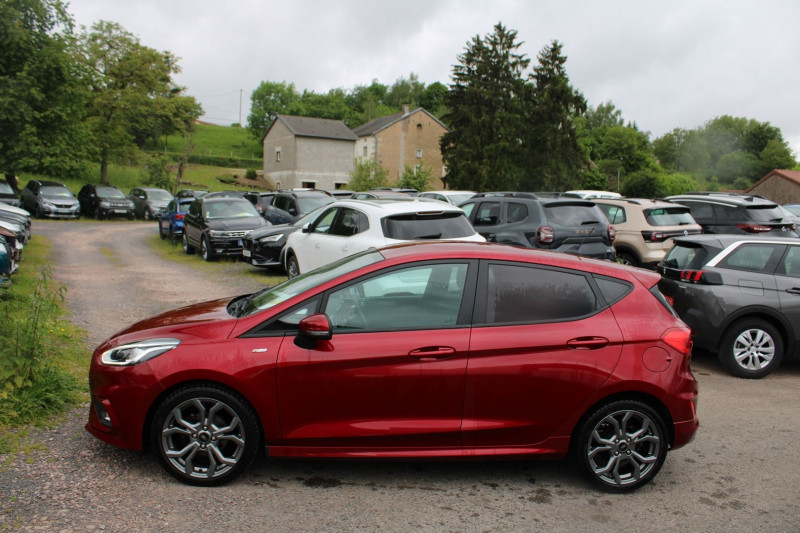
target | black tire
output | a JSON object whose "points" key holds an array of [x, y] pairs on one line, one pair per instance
{"points": [[188, 249], [205, 250], [194, 427], [148, 215], [97, 214], [161, 232], [39, 213], [130, 216], [751, 348], [621, 446], [292, 266], [627, 259]]}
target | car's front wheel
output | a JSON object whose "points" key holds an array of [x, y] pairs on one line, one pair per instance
{"points": [[292, 267], [751, 348], [148, 215], [205, 435], [206, 252], [621, 446], [188, 249]]}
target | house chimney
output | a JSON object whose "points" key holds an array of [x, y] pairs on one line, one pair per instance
{"points": [[405, 109]]}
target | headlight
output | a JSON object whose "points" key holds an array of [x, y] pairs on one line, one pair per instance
{"points": [[216, 233], [105, 204], [45, 203], [137, 352], [271, 238]]}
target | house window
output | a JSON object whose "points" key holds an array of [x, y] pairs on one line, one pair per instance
{"points": [[419, 153], [365, 151], [277, 156], [309, 185], [417, 169]]}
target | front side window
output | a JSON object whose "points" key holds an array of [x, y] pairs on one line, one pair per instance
{"points": [[325, 222], [418, 297], [525, 294], [488, 214], [350, 222]]}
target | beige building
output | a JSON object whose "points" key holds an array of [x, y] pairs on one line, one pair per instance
{"points": [[408, 138], [780, 186], [308, 152]]}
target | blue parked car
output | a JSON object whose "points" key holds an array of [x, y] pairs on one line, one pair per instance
{"points": [[6, 262], [170, 222]]}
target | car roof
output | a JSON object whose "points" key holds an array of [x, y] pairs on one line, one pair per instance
{"points": [[50, 183], [644, 202], [726, 240], [722, 198], [412, 204]]}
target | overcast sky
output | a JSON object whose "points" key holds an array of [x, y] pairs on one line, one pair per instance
{"points": [[666, 65]]}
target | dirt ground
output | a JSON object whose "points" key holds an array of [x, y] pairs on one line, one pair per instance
{"points": [[742, 472]]}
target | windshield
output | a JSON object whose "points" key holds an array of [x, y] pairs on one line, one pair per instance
{"points": [[669, 216], [309, 203], [289, 289], [458, 199], [232, 208], [109, 192], [56, 191], [422, 226], [5, 188], [160, 194]]}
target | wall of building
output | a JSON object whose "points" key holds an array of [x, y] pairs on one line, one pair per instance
{"points": [[779, 190]]}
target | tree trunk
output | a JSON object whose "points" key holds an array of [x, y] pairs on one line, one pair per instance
{"points": [[13, 181], [104, 171]]}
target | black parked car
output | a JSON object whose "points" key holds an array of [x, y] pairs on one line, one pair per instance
{"points": [[288, 206], [217, 225], [264, 247], [569, 225], [740, 214], [149, 202], [104, 201], [7, 194], [740, 295], [50, 199]]}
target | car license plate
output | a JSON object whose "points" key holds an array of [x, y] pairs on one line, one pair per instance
{"points": [[246, 253], [120, 211]]}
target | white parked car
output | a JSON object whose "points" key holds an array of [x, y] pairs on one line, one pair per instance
{"points": [[350, 226], [451, 197]]}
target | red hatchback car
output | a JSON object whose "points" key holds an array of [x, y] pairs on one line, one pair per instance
{"points": [[434, 350]]}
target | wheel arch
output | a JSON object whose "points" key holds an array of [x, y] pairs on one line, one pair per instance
{"points": [[765, 314], [154, 405]]}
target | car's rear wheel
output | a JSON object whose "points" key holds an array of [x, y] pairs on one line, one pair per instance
{"points": [[187, 248], [292, 267], [205, 435], [621, 446], [627, 259], [172, 237], [205, 250], [751, 348]]}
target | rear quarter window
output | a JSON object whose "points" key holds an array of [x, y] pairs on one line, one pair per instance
{"points": [[684, 256], [670, 216]]}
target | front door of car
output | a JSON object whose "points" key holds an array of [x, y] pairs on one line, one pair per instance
{"points": [[393, 373], [192, 223], [787, 279], [486, 218], [540, 348], [312, 246]]}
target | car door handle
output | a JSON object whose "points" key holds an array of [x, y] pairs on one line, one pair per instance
{"points": [[587, 343], [793, 290], [432, 353]]}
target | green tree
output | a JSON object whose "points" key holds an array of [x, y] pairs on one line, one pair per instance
{"points": [[42, 99], [776, 154], [131, 90], [415, 177], [486, 114], [367, 174], [434, 99], [405, 91], [737, 164], [553, 157], [269, 99], [643, 184]]}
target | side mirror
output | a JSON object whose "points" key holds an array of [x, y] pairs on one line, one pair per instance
{"points": [[315, 328]]}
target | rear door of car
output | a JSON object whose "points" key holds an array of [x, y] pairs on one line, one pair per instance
{"points": [[541, 345], [787, 278]]}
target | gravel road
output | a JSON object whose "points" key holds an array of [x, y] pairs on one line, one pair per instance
{"points": [[742, 473]]}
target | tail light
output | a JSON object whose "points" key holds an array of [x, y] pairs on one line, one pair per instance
{"points": [[702, 277], [754, 228], [545, 235], [179, 216], [612, 233], [653, 236], [678, 338]]}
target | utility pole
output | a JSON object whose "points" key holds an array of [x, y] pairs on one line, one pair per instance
{"points": [[240, 108]]}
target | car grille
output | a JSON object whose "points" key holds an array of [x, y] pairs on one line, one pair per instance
{"points": [[232, 234], [119, 205], [64, 206]]}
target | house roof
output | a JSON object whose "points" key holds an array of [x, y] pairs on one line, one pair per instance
{"points": [[374, 126], [322, 128], [791, 175]]}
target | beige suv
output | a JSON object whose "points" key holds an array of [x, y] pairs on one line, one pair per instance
{"points": [[645, 228]]}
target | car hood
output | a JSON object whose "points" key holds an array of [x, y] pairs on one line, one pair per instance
{"points": [[202, 321], [272, 230], [232, 224], [13, 209]]}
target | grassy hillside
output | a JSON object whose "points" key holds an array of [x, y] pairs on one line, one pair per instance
{"points": [[219, 142]]}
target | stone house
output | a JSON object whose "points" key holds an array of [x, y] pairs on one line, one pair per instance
{"points": [[408, 138], [308, 152], [780, 186]]}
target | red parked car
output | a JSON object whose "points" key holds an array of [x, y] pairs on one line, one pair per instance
{"points": [[417, 351]]}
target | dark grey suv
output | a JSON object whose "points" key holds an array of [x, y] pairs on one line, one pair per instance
{"points": [[740, 295], [569, 225], [720, 212]]}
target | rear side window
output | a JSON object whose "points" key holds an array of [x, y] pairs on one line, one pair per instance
{"points": [[530, 294], [753, 257], [790, 265], [573, 215], [414, 226], [613, 289], [517, 212], [614, 213], [670, 216]]}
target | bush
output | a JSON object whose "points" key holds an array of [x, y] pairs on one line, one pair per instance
{"points": [[250, 174]]}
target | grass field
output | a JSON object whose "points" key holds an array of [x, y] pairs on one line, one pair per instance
{"points": [[213, 140]]}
